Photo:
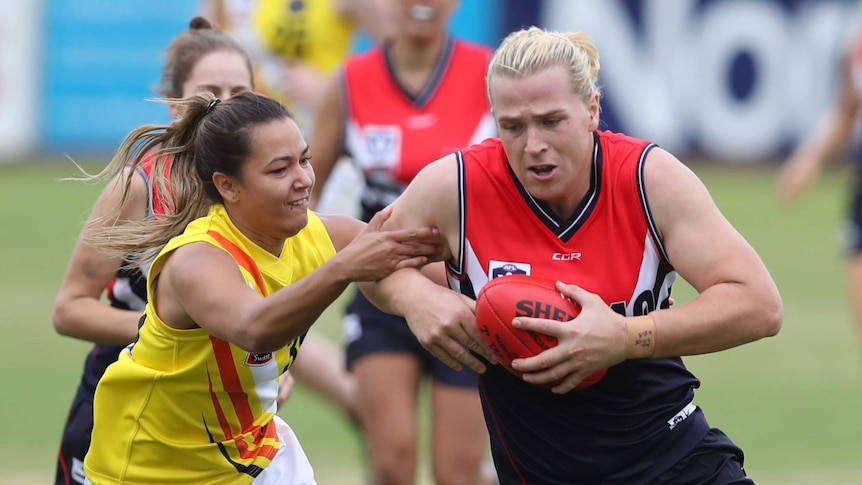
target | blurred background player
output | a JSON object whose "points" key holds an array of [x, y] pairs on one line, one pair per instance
{"points": [[825, 144], [392, 110], [297, 46], [199, 59]]}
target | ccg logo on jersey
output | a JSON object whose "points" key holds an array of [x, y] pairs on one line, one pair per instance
{"points": [[506, 268], [256, 359]]}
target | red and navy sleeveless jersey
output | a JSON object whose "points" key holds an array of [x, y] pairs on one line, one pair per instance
{"points": [[640, 419], [126, 291], [391, 134]]}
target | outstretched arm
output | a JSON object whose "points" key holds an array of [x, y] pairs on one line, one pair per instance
{"points": [[825, 142], [200, 285]]}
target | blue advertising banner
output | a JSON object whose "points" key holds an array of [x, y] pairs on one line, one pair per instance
{"points": [[101, 60], [737, 80]]}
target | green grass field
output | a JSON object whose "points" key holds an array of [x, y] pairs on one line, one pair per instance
{"points": [[792, 402]]}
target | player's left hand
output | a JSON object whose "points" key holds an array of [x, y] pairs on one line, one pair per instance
{"points": [[285, 388], [594, 340], [444, 323]]}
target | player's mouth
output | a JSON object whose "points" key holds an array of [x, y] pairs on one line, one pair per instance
{"points": [[424, 13], [300, 203], [542, 171]]}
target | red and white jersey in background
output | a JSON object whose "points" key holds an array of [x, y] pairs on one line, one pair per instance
{"points": [[391, 134]]}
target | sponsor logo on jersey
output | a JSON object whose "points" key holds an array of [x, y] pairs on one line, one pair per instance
{"points": [[506, 268], [566, 256], [255, 359], [680, 416]]}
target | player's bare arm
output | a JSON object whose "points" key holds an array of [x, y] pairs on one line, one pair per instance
{"points": [[737, 302], [200, 284], [441, 320], [78, 309], [326, 144]]}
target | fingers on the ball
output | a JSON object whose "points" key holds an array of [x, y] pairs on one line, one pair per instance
{"points": [[480, 348], [539, 325], [574, 292]]}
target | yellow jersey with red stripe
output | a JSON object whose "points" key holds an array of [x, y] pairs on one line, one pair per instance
{"points": [[183, 406]]}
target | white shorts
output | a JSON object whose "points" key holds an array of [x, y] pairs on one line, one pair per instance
{"points": [[289, 466]]}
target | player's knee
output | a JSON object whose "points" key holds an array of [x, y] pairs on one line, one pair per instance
{"points": [[394, 461], [462, 468]]}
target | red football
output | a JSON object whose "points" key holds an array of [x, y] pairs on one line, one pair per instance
{"points": [[506, 297]]}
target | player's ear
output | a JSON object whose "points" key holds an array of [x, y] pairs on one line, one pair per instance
{"points": [[593, 109], [226, 186]]}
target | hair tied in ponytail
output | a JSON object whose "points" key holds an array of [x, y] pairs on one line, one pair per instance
{"points": [[211, 105]]}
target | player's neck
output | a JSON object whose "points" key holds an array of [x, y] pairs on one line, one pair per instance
{"points": [[413, 63]]}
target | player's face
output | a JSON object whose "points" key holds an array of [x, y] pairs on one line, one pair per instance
{"points": [[547, 132], [424, 20], [223, 73], [269, 201]]}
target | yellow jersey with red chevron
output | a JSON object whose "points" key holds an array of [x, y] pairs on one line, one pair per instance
{"points": [[182, 406]]}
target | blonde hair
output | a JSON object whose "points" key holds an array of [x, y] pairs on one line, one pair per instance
{"points": [[531, 50], [211, 136]]}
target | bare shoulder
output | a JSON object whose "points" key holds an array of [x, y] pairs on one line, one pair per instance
{"points": [[675, 193], [668, 178], [133, 207], [431, 197]]}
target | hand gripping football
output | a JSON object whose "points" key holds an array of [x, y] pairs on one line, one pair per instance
{"points": [[506, 297]]}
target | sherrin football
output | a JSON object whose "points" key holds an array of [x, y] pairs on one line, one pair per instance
{"points": [[504, 298]]}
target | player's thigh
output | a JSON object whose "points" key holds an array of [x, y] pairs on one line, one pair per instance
{"points": [[854, 267], [387, 391], [458, 425]]}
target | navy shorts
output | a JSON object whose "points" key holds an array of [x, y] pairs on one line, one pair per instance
{"points": [[76, 440], [851, 233], [368, 330], [716, 460]]}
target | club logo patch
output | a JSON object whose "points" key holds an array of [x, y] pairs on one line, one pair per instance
{"points": [[255, 359]]}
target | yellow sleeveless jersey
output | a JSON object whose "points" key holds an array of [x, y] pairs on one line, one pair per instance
{"points": [[310, 30], [182, 406]]}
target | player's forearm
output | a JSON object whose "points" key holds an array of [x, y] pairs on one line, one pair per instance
{"points": [[94, 321], [288, 313], [397, 292], [724, 316]]}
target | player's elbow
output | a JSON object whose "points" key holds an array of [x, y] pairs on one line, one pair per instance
{"points": [[771, 316], [254, 340], [62, 320], [261, 338]]}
